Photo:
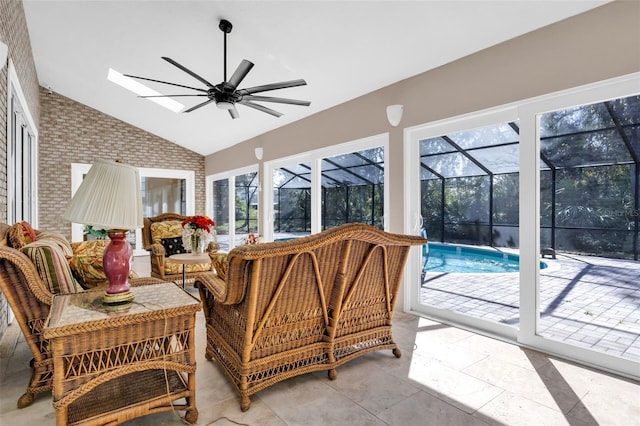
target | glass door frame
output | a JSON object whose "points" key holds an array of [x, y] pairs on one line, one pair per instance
{"points": [[78, 170], [530, 113], [231, 177], [413, 217]]}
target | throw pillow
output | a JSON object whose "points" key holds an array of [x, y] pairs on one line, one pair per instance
{"points": [[52, 266], [166, 229], [172, 245], [58, 239], [20, 234], [86, 263]]}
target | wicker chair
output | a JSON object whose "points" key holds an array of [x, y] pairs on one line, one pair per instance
{"points": [[30, 301], [158, 256], [310, 304]]}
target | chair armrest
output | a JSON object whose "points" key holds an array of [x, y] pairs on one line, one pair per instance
{"points": [[216, 285], [157, 250]]}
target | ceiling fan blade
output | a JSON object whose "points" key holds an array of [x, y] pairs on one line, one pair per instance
{"points": [[261, 108], [234, 112], [239, 74], [170, 96], [165, 82], [199, 105], [272, 86], [278, 100], [188, 71]]}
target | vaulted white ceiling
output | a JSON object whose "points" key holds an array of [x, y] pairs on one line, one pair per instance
{"points": [[343, 49]]}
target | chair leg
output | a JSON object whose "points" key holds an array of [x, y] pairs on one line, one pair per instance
{"points": [[25, 400]]}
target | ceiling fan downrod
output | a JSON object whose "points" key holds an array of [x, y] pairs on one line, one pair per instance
{"points": [[226, 28]]}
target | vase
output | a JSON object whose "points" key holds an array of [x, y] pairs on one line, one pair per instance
{"points": [[198, 243]]}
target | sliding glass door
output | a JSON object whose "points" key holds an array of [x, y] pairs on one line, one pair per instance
{"points": [[234, 205], [550, 188]]}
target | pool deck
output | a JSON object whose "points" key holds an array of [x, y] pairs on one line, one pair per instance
{"points": [[590, 302]]}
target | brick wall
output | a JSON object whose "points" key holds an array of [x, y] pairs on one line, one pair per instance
{"points": [[71, 132], [14, 33]]}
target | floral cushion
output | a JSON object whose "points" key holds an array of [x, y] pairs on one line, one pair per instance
{"points": [[219, 261], [172, 246], [52, 266], [20, 234], [86, 264], [92, 248], [165, 229]]}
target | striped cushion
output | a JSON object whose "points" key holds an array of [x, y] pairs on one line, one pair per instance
{"points": [[52, 266], [59, 239]]}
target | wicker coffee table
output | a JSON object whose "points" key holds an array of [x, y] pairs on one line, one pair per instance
{"points": [[111, 365]]}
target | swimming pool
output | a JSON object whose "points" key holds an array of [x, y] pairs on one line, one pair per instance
{"points": [[465, 259]]}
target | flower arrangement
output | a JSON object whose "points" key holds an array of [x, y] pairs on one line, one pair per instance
{"points": [[199, 222], [198, 232], [251, 239]]}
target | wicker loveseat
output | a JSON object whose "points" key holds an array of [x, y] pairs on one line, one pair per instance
{"points": [[310, 304], [29, 296]]}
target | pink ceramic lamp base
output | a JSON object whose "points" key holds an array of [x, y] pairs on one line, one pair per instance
{"points": [[117, 265]]}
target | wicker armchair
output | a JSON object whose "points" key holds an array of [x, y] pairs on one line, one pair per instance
{"points": [[310, 304], [30, 300], [168, 225]]}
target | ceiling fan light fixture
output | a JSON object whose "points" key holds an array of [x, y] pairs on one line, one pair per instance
{"points": [[224, 105]]}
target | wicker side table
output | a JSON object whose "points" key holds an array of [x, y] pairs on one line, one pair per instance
{"points": [[112, 366]]}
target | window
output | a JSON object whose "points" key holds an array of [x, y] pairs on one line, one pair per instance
{"points": [[22, 161], [326, 188]]}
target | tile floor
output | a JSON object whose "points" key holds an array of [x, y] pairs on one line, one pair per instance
{"points": [[446, 376]]}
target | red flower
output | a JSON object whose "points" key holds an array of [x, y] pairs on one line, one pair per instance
{"points": [[199, 222]]}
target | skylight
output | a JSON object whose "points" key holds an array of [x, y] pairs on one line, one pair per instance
{"points": [[142, 90]]}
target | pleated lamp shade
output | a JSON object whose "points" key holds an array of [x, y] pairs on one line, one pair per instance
{"points": [[108, 198]]}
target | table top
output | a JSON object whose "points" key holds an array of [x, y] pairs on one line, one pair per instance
{"points": [[190, 258], [84, 311]]}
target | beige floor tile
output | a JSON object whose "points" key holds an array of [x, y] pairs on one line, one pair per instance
{"points": [[307, 401], [513, 354], [424, 409], [553, 392], [511, 409], [375, 389], [455, 387]]}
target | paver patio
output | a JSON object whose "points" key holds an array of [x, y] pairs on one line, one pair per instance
{"points": [[586, 301]]}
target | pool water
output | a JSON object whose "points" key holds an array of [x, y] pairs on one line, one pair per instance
{"points": [[461, 259]]}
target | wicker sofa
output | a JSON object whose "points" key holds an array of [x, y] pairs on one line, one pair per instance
{"points": [[310, 304]]}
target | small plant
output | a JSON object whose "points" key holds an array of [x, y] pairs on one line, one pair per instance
{"points": [[587, 312], [97, 233]]}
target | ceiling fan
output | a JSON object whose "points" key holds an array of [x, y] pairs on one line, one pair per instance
{"points": [[226, 94]]}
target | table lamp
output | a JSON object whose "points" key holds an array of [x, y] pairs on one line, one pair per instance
{"points": [[109, 198]]}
